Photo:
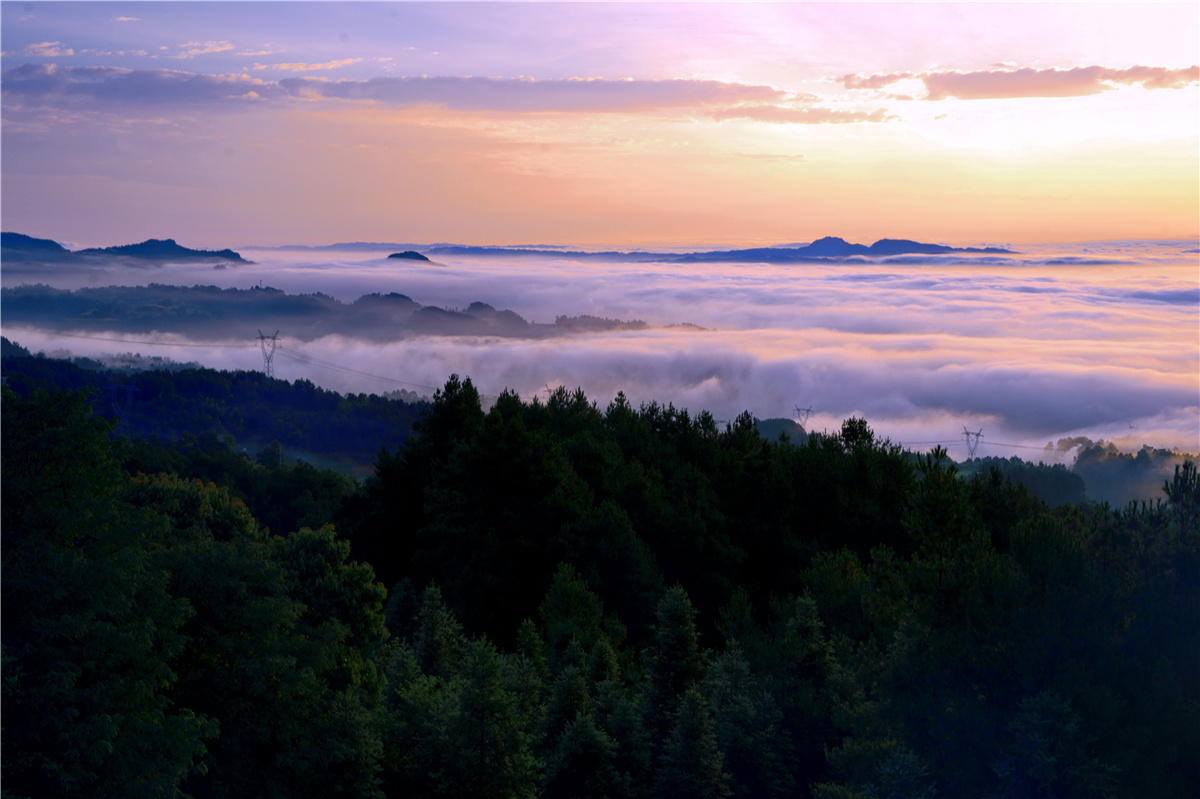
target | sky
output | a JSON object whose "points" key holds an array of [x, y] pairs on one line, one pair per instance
{"points": [[236, 124]]}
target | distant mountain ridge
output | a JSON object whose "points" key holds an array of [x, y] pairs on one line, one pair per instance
{"points": [[835, 247], [19, 241], [822, 249], [19, 246], [163, 250]]}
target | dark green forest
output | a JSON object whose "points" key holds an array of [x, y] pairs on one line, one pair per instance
{"points": [[187, 405], [205, 405], [556, 599]]}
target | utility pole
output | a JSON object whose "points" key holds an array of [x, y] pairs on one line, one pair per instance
{"points": [[268, 351], [972, 440], [806, 412]]}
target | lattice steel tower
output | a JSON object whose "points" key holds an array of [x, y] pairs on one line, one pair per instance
{"points": [[972, 440], [268, 351]]}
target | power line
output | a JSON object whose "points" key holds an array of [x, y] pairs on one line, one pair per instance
{"points": [[1018, 446], [309, 359], [213, 345], [296, 355], [302, 357]]}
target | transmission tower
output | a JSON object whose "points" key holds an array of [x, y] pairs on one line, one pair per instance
{"points": [[121, 407], [268, 351], [805, 412], [972, 440]]}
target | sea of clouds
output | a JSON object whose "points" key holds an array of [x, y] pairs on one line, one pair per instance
{"points": [[1096, 340]]}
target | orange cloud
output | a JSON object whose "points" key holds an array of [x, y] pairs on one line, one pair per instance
{"points": [[48, 50], [201, 48], [309, 67], [1028, 82], [1075, 82]]}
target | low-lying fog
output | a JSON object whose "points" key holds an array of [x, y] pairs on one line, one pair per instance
{"points": [[1098, 340]]}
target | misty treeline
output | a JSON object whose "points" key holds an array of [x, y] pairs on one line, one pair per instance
{"points": [[217, 314], [583, 602], [198, 404], [249, 412]]}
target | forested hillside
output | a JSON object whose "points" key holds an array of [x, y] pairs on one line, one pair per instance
{"points": [[251, 408], [215, 314], [159, 399], [584, 601]]}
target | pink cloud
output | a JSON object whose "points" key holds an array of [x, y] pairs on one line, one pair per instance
{"points": [[872, 81], [793, 115]]}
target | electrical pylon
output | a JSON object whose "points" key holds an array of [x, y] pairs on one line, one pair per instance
{"points": [[268, 351], [972, 440], [806, 412]]}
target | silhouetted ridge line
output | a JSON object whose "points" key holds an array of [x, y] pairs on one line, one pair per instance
{"points": [[829, 247], [21, 242], [161, 249], [18, 246], [834, 247]]}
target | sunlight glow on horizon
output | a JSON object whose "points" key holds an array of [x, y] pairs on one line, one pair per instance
{"points": [[495, 123]]}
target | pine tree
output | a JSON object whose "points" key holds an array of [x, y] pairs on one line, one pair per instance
{"points": [[673, 663], [584, 765], [691, 764]]}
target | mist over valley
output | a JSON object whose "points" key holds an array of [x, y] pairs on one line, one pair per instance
{"points": [[1030, 347], [420, 400]]}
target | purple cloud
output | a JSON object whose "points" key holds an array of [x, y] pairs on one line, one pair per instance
{"points": [[520, 94], [115, 85]]}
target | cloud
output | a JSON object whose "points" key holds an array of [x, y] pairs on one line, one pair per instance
{"points": [[113, 52], [872, 81], [203, 48], [523, 94], [47, 50], [119, 85], [127, 19], [783, 114], [1026, 353], [707, 97], [1029, 82], [309, 67], [1075, 82]]}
